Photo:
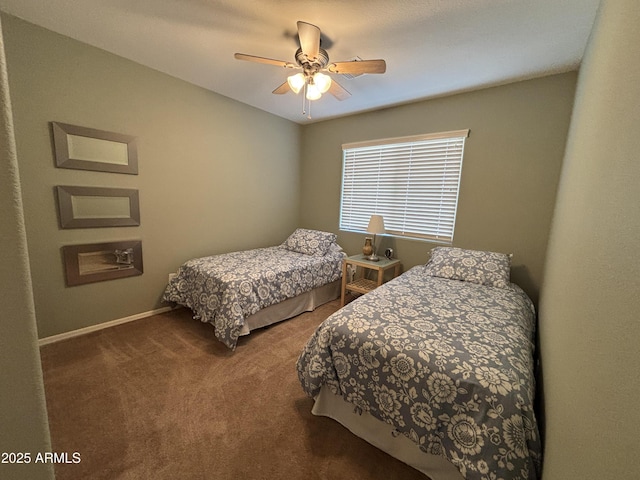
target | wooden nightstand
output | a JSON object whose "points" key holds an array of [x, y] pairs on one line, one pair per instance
{"points": [[361, 284]]}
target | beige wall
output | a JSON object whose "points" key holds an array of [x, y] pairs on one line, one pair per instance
{"points": [[510, 174], [590, 307], [23, 415], [214, 175]]}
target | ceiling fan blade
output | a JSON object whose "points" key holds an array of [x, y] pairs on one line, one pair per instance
{"points": [[284, 88], [268, 61], [309, 39], [338, 91], [358, 66]]}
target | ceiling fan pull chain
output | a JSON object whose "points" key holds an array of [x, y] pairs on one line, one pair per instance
{"points": [[304, 98]]}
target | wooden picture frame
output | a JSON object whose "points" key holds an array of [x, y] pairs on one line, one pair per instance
{"points": [[97, 262], [90, 207], [84, 148]]}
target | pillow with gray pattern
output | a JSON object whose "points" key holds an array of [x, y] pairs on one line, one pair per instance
{"points": [[475, 266], [310, 242]]}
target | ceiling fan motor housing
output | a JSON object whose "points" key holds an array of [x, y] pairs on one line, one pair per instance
{"points": [[312, 65]]}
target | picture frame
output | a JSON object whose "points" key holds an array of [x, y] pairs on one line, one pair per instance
{"points": [[97, 262], [91, 207], [83, 148]]}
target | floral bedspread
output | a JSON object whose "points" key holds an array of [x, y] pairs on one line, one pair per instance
{"points": [[225, 289], [448, 363]]}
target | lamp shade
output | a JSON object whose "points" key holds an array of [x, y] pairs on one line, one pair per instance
{"points": [[296, 82], [376, 224], [322, 81], [313, 92]]}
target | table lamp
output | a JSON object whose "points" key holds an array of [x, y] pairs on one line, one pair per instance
{"points": [[376, 225]]}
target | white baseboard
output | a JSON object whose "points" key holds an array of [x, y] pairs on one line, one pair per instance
{"points": [[101, 326]]}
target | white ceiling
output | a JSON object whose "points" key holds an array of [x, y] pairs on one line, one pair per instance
{"points": [[432, 47]]}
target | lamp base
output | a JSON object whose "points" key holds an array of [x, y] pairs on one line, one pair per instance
{"points": [[373, 258]]}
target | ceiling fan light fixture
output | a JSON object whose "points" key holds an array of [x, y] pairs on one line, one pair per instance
{"points": [[296, 82], [322, 81], [313, 92]]}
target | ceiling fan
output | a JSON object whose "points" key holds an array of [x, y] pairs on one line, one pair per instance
{"points": [[313, 60]]}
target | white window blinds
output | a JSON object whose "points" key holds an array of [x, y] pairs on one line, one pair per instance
{"points": [[412, 182]]}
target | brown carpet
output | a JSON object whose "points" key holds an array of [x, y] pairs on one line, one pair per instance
{"points": [[161, 398]]}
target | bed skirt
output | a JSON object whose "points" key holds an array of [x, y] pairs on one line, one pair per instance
{"points": [[292, 307], [379, 434]]}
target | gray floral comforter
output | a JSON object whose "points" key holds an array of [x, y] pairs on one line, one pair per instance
{"points": [[225, 289], [447, 363]]}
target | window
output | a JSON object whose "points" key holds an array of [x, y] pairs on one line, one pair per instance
{"points": [[412, 182]]}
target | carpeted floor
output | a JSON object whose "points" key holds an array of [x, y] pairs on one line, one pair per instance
{"points": [[161, 398]]}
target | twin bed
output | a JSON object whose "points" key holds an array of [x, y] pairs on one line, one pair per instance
{"points": [[434, 367], [240, 291]]}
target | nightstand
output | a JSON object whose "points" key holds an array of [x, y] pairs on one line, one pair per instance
{"points": [[361, 284]]}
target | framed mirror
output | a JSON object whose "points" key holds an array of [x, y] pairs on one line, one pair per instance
{"points": [[97, 262], [84, 148], [90, 207]]}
